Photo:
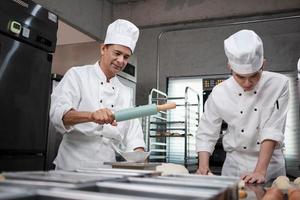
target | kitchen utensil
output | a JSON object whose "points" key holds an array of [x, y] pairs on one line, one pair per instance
{"points": [[141, 111], [131, 156]]}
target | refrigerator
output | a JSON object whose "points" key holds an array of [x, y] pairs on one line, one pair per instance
{"points": [[27, 39]]}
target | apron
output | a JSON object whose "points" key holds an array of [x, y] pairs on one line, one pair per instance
{"points": [[238, 163]]}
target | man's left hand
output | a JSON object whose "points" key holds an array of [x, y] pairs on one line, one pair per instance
{"points": [[254, 177]]}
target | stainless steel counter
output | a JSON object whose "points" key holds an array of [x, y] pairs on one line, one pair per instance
{"points": [[120, 184]]}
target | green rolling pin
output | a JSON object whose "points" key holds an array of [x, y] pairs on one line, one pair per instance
{"points": [[141, 111]]}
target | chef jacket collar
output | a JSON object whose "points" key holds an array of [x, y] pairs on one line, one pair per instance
{"points": [[102, 76], [239, 90]]}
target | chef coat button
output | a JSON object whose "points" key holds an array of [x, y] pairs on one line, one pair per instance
{"points": [[101, 101], [245, 147], [241, 112], [112, 106], [242, 130], [113, 88], [257, 142], [255, 109], [255, 92], [101, 83], [240, 94]]}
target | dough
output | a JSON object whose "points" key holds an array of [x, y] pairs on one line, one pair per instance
{"points": [[282, 182], [241, 184], [297, 181], [170, 168]]}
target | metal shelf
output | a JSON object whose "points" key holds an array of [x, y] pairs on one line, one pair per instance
{"points": [[168, 122], [167, 129], [185, 123]]}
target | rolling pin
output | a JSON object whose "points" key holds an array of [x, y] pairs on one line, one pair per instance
{"points": [[141, 111]]}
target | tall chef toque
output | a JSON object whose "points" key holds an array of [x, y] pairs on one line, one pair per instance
{"points": [[122, 32], [244, 51]]}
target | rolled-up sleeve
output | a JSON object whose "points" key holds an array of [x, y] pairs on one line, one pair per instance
{"points": [[64, 97], [274, 126], [209, 127]]}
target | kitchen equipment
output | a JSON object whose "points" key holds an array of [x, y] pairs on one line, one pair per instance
{"points": [[14, 193], [60, 176], [123, 172], [158, 190], [27, 41], [142, 111], [131, 156], [131, 165]]}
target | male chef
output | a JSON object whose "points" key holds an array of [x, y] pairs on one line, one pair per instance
{"points": [[83, 103], [253, 103]]}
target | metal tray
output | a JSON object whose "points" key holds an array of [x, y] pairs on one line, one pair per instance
{"points": [[156, 190], [122, 172], [13, 193], [60, 176]]}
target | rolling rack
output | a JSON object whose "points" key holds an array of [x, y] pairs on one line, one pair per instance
{"points": [[171, 134]]}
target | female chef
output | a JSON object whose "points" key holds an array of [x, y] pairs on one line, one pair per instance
{"points": [[253, 103], [83, 103]]}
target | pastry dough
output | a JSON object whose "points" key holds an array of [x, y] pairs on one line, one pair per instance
{"points": [[297, 181], [282, 182], [170, 168]]}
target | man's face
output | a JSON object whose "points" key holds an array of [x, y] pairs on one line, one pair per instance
{"points": [[114, 58], [247, 81]]}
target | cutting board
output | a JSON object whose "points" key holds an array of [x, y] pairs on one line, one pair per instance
{"points": [[132, 165]]}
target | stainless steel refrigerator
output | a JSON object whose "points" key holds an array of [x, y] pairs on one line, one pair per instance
{"points": [[27, 39]]}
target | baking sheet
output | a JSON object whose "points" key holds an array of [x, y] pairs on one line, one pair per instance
{"points": [[119, 171], [60, 176]]}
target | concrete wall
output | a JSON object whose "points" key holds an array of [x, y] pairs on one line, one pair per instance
{"points": [[158, 12], [89, 16], [185, 37], [195, 30]]}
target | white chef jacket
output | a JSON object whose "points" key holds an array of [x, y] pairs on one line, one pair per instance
{"points": [[252, 117], [85, 145]]}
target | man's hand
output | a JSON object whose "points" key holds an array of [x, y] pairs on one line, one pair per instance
{"points": [[203, 171], [265, 154], [254, 177], [203, 168], [103, 116]]}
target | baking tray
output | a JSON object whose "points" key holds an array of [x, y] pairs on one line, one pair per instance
{"points": [[158, 191], [60, 176], [7, 192], [13, 193], [121, 172]]}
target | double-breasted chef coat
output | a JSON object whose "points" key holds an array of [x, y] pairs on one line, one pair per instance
{"points": [[252, 117], [85, 145]]}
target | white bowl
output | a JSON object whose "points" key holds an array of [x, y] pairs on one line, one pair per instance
{"points": [[135, 156]]}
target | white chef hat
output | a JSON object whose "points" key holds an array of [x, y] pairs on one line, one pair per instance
{"points": [[244, 51], [122, 32]]}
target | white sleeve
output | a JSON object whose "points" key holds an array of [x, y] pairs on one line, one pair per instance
{"points": [[209, 128], [133, 133], [274, 126], [64, 97]]}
